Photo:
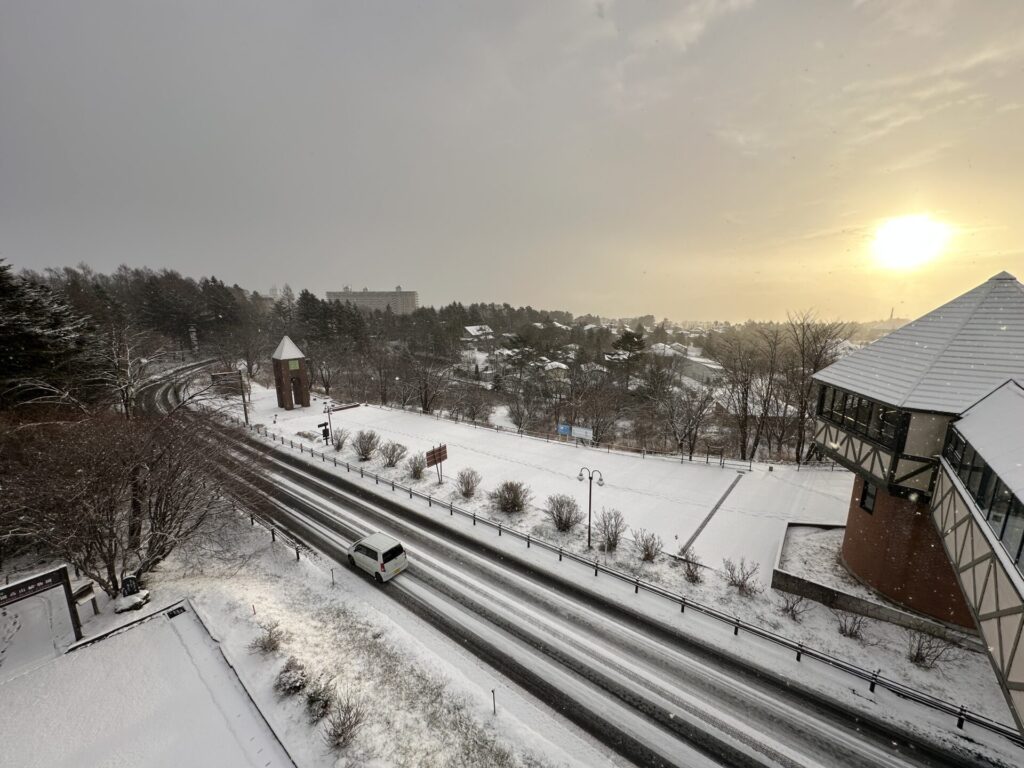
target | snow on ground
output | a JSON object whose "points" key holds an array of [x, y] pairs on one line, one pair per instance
{"points": [[500, 418], [752, 520], [34, 631], [813, 554], [428, 701], [155, 694], [663, 495]]}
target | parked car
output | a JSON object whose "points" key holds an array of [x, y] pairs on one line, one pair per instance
{"points": [[379, 554]]}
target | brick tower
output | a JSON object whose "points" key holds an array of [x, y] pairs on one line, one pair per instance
{"points": [[291, 376]]}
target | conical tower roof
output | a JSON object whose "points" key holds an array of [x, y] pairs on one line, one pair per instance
{"points": [[287, 350], [947, 359]]}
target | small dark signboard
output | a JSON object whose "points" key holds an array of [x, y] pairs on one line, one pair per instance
{"points": [[434, 458], [129, 586], [437, 455]]}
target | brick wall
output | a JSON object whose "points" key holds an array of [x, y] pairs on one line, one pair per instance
{"points": [[897, 551]]}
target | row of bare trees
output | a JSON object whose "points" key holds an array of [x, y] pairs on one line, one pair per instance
{"points": [[767, 386]]}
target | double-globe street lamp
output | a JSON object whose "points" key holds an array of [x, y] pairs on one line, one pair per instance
{"points": [[590, 495]]}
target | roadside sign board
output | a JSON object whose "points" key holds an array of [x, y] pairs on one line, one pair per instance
{"points": [[437, 455], [41, 582], [583, 433], [564, 429]]}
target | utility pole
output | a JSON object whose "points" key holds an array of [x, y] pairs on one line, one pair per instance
{"points": [[241, 388]]}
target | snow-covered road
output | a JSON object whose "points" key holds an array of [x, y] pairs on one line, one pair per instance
{"points": [[654, 691]]}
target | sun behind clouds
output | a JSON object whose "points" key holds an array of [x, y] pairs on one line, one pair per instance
{"points": [[908, 242]]}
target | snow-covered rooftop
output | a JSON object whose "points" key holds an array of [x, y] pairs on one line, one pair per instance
{"points": [[158, 693], [287, 350], [663, 350], [479, 330], [947, 359], [994, 426]]}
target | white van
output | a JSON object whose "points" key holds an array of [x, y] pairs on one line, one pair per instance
{"points": [[379, 554]]}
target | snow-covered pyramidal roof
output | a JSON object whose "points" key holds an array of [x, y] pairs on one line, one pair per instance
{"points": [[287, 350], [947, 359]]}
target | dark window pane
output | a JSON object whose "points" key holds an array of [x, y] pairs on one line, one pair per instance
{"points": [[850, 412], [392, 553], [1013, 531], [988, 484], [965, 465], [867, 497], [863, 415], [976, 476], [875, 426]]}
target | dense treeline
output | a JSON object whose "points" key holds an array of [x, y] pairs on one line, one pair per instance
{"points": [[87, 473]]}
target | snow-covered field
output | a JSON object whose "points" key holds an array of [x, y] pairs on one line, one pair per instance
{"points": [[657, 494]]}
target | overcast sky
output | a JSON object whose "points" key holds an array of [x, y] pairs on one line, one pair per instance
{"points": [[698, 160]]}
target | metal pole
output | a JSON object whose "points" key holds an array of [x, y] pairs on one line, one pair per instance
{"points": [[241, 388], [590, 502]]}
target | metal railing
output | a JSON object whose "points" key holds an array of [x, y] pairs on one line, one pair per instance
{"points": [[873, 678]]}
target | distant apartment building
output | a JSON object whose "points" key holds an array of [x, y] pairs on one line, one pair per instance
{"points": [[401, 302]]}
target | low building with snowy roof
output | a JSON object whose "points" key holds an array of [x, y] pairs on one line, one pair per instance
{"points": [[158, 692], [660, 349], [702, 369]]}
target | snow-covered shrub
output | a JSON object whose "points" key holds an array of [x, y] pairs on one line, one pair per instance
{"points": [[648, 544], [742, 576], [610, 527], [467, 481], [339, 437], [510, 497], [564, 512], [269, 639], [392, 453], [794, 606], [319, 699], [416, 464], [292, 678], [307, 435], [850, 624], [344, 722], [691, 566], [365, 444], [928, 651]]}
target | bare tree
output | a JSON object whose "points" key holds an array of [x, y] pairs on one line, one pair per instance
{"points": [[685, 410], [115, 497], [764, 384], [326, 360], [733, 351], [815, 345], [526, 404], [429, 377]]}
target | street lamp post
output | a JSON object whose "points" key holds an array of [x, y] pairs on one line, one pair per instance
{"points": [[330, 424], [590, 495]]}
